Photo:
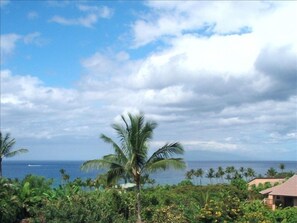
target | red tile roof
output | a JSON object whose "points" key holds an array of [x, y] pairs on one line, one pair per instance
{"points": [[288, 188]]}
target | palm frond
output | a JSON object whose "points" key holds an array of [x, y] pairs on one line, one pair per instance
{"points": [[114, 174], [118, 150], [106, 162], [161, 163], [6, 144], [13, 153], [167, 151]]}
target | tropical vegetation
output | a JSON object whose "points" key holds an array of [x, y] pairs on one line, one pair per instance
{"points": [[130, 160], [6, 148], [35, 200], [226, 198]]}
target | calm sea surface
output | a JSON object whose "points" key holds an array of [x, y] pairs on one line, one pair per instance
{"points": [[50, 169]]}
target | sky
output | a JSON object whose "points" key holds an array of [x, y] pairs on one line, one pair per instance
{"points": [[218, 76]]}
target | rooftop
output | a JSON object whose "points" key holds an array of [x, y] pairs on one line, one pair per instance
{"points": [[288, 188]]}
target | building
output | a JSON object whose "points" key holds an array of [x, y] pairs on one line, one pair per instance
{"points": [[284, 194], [263, 181]]}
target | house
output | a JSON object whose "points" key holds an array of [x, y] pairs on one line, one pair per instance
{"points": [[263, 181], [284, 194]]}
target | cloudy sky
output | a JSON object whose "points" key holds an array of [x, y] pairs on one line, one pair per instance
{"points": [[219, 77]]}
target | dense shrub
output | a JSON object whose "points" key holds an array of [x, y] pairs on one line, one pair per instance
{"points": [[225, 209], [92, 206], [10, 203], [254, 212], [286, 215], [35, 200]]}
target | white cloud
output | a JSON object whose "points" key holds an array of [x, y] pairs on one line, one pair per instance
{"points": [[175, 18], [229, 91], [8, 43], [103, 12], [93, 14], [199, 145]]}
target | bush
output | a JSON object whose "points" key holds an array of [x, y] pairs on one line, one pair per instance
{"points": [[34, 199], [256, 212], [10, 203], [168, 214], [225, 209], [92, 206], [286, 215]]}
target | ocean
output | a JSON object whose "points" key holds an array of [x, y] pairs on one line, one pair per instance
{"points": [[51, 169]]}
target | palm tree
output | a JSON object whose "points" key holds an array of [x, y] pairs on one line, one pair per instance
{"points": [[230, 170], [130, 160], [199, 173], [282, 167], [210, 174], [220, 173], [190, 174], [271, 172], [251, 173], [242, 170], [6, 146]]}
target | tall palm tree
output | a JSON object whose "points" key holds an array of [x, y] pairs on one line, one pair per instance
{"points": [[210, 174], [6, 146], [230, 171], [190, 174], [251, 173], [282, 167], [199, 173], [220, 173], [130, 160]]}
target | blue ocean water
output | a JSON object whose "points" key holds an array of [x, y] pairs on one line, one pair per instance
{"points": [[51, 169]]}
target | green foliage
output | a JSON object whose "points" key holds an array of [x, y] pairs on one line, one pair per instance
{"points": [[271, 172], [130, 160], [186, 182], [224, 209], [10, 203], [6, 148], [32, 191], [239, 184], [168, 214], [35, 200], [286, 215], [255, 212], [92, 206]]}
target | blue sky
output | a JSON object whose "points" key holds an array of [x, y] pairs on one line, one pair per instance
{"points": [[220, 77]]}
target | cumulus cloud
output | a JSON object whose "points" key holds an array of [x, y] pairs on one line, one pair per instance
{"points": [[27, 96], [173, 19], [280, 66], [206, 89], [219, 83], [92, 15]]}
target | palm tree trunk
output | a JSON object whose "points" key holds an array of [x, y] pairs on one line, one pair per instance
{"points": [[0, 167], [138, 202]]}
